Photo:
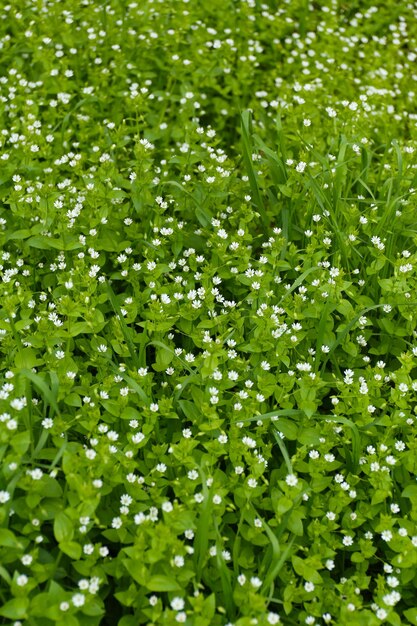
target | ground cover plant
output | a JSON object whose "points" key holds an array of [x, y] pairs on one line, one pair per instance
{"points": [[208, 313]]}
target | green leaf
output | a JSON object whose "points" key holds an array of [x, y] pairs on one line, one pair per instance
{"points": [[302, 568], [15, 608], [137, 570], [93, 608], [295, 524], [410, 492], [287, 427], [63, 528], [21, 442], [411, 615], [42, 242], [26, 358], [190, 410], [164, 357], [128, 620], [73, 399], [162, 583], [309, 436], [71, 548], [8, 539], [5, 575]]}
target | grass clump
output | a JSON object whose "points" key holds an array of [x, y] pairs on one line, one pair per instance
{"points": [[208, 313]]}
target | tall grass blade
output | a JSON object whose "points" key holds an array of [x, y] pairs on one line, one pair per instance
{"points": [[284, 451], [124, 327], [48, 396], [247, 148]]}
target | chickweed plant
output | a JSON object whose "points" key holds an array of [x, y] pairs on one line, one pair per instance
{"points": [[208, 313]]}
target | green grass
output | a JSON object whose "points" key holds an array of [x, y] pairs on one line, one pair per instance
{"points": [[208, 321]]}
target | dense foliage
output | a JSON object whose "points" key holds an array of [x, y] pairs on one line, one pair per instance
{"points": [[208, 313]]}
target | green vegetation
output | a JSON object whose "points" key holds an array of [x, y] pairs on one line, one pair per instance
{"points": [[208, 313]]}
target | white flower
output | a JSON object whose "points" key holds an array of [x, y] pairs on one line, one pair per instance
{"points": [[291, 480], [78, 599], [27, 559], [177, 604], [4, 497], [391, 599], [36, 474], [181, 617], [22, 580]]}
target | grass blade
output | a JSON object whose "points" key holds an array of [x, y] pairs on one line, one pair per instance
{"points": [[124, 327], [48, 396], [202, 532], [277, 413], [225, 576], [247, 159], [273, 573], [299, 281], [345, 332], [356, 440], [284, 451], [133, 384]]}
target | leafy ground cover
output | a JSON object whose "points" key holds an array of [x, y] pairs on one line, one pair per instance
{"points": [[208, 313]]}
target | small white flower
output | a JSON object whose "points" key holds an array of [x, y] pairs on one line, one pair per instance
{"points": [[78, 599], [291, 480], [177, 604], [4, 497], [27, 559], [178, 561], [22, 580]]}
